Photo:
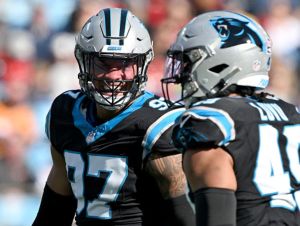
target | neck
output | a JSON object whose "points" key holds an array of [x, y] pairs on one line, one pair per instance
{"points": [[233, 94], [104, 115]]}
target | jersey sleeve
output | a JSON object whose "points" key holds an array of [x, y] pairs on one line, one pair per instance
{"points": [[203, 127], [47, 124], [158, 135], [59, 119], [51, 125]]}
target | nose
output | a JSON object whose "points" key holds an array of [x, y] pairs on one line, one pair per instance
{"points": [[115, 74]]}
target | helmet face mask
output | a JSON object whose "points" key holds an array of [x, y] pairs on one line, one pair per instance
{"points": [[102, 66], [113, 58], [178, 72], [214, 51]]}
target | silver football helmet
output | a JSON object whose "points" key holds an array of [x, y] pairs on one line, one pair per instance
{"points": [[113, 36], [214, 51]]}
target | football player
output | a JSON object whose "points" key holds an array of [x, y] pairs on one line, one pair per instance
{"points": [[240, 144], [113, 163]]}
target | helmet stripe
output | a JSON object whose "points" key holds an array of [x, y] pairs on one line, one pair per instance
{"points": [[124, 13], [107, 25]]}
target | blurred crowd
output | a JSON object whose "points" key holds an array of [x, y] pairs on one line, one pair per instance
{"points": [[37, 63]]}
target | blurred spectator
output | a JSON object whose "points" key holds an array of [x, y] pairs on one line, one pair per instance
{"points": [[178, 13], [139, 8], [283, 80], [201, 6], [17, 120], [85, 9], [18, 131], [19, 44], [16, 13], [17, 208], [57, 12], [63, 72], [42, 32], [284, 29], [157, 13]]}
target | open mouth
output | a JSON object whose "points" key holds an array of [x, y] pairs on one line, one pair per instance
{"points": [[108, 86], [223, 30]]}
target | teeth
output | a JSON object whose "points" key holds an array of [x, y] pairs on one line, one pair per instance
{"points": [[222, 26]]}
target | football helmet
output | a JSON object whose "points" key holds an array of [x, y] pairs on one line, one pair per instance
{"points": [[113, 40], [214, 51]]}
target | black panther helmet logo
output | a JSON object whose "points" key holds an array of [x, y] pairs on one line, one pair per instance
{"points": [[234, 32]]}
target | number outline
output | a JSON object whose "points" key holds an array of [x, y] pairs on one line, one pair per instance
{"points": [[88, 169], [270, 157]]}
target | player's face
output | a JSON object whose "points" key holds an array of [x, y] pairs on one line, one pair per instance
{"points": [[114, 76], [114, 69]]}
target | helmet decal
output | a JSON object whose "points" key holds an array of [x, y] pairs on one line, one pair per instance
{"points": [[108, 28], [235, 53], [234, 32]]}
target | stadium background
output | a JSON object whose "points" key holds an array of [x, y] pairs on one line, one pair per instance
{"points": [[37, 63]]}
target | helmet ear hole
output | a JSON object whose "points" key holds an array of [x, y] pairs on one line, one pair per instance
{"points": [[218, 68]]}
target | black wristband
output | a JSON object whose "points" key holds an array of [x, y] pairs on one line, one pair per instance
{"points": [[55, 209], [180, 211], [215, 207]]}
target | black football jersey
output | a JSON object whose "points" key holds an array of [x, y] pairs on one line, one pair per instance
{"points": [[105, 162], [263, 137]]}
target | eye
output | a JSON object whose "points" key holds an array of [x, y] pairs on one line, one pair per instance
{"points": [[99, 68]]}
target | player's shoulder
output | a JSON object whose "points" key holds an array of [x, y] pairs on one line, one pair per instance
{"points": [[154, 105], [156, 110], [233, 108], [237, 107], [65, 101], [287, 110], [287, 106], [225, 104], [154, 102]]}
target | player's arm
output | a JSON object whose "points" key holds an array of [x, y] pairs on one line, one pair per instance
{"points": [[211, 176], [172, 183], [58, 204]]}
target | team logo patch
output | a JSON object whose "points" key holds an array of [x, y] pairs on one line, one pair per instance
{"points": [[96, 133], [256, 66], [234, 32], [90, 137]]}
